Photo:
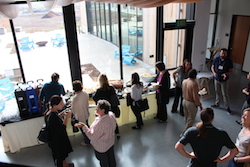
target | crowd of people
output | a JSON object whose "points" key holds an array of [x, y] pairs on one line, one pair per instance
{"points": [[205, 139]]}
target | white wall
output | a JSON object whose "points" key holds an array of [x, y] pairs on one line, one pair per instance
{"points": [[200, 34]]}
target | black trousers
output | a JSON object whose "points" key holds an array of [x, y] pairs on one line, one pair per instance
{"points": [[138, 116], [106, 159], [178, 95], [161, 108]]}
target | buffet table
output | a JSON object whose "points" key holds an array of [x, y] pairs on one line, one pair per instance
{"points": [[24, 133], [21, 134]]}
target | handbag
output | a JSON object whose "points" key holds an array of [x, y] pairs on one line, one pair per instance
{"points": [[73, 122], [43, 134], [142, 104]]}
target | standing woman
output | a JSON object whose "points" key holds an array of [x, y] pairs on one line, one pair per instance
{"points": [[243, 143], [59, 141], [179, 75], [104, 93], [162, 91], [136, 92]]}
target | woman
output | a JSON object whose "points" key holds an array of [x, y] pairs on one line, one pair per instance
{"points": [[136, 92], [179, 75], [162, 91], [104, 93], [243, 142], [101, 134], [206, 142], [59, 141]]}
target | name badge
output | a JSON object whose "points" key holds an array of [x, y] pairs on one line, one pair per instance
{"points": [[220, 67]]}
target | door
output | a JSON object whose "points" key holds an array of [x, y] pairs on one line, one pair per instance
{"points": [[239, 38]]}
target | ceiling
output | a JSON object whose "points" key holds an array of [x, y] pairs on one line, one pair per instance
{"points": [[10, 8]]}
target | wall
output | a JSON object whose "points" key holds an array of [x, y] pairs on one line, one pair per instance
{"points": [[200, 34]]}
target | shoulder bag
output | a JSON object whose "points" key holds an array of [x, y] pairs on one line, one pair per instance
{"points": [[43, 135]]}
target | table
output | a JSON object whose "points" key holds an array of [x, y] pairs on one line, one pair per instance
{"points": [[203, 81], [21, 134]]}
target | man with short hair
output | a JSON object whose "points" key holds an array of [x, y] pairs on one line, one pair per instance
{"points": [[191, 99], [49, 89], [222, 66]]}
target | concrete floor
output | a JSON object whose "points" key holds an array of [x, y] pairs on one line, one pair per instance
{"points": [[152, 146]]}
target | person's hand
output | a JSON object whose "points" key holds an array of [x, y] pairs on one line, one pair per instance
{"points": [[224, 76], [79, 124], [145, 87], [201, 108], [215, 74], [218, 160], [193, 155]]}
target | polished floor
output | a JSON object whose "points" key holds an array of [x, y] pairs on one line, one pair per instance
{"points": [[152, 146]]}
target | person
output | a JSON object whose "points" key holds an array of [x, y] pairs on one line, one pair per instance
{"points": [[206, 142], [162, 91], [191, 99], [246, 91], [179, 75], [105, 92], [58, 137], [243, 142], [101, 134], [49, 89], [136, 94], [80, 107], [221, 67]]}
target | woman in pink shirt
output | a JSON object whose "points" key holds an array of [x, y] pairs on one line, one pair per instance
{"points": [[101, 134]]}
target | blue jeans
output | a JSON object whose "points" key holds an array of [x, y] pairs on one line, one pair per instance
{"points": [[232, 163]]}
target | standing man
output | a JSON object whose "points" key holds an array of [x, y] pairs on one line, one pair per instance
{"points": [[222, 66], [80, 107], [49, 89], [191, 99]]}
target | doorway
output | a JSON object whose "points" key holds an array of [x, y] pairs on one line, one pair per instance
{"points": [[239, 39]]}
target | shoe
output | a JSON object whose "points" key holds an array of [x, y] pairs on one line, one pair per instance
{"points": [[173, 111], [214, 106], [229, 112], [83, 144], [238, 122], [136, 127], [181, 113], [118, 136], [161, 121], [71, 165], [155, 117]]}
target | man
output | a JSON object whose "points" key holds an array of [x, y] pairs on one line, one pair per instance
{"points": [[101, 134], [206, 142], [222, 66], [80, 107], [50, 89], [191, 99]]}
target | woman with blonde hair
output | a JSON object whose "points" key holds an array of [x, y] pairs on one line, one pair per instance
{"points": [[104, 93]]}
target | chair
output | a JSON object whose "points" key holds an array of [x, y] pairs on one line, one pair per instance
{"points": [[130, 60], [26, 45], [58, 40], [139, 33], [132, 31], [125, 51]]}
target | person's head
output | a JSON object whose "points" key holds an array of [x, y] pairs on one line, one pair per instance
{"points": [[56, 103], [135, 78], [187, 65], [207, 117], [223, 53], [55, 77], [160, 66], [102, 107], [77, 85], [103, 81], [192, 74], [245, 118]]}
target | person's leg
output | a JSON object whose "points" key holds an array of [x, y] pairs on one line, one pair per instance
{"points": [[86, 139], [224, 90], [102, 157], [217, 88], [176, 99], [191, 113], [181, 106], [111, 157], [137, 115], [158, 104]]}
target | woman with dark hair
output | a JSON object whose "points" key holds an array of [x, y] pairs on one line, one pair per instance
{"points": [[59, 141], [206, 142], [179, 75], [101, 134], [136, 94], [242, 159], [104, 93], [162, 91]]}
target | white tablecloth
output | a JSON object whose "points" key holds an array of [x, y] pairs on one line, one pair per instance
{"points": [[21, 134]]}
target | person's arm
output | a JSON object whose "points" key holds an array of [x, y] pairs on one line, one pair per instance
{"points": [[174, 77], [66, 118], [242, 159], [245, 91], [213, 71], [180, 148], [230, 155]]}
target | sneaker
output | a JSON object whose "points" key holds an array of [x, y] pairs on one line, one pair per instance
{"points": [[229, 112], [214, 106]]}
